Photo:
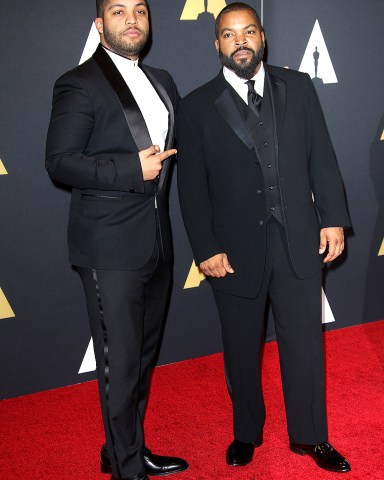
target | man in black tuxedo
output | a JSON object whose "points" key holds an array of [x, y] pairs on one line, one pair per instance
{"points": [[262, 200], [110, 139]]}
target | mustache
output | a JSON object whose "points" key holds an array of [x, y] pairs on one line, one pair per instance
{"points": [[243, 48], [132, 28]]}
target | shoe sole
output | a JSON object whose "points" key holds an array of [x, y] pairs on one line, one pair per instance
{"points": [[107, 469], [240, 464]]}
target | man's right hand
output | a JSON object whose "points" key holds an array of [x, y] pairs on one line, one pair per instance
{"points": [[217, 266], [151, 161]]}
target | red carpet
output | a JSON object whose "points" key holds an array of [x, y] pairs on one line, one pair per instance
{"points": [[56, 435]]}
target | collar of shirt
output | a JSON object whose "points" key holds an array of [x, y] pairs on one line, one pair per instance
{"points": [[123, 64], [151, 106], [239, 83]]}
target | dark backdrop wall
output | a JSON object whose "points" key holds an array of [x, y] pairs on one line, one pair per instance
{"points": [[44, 334]]}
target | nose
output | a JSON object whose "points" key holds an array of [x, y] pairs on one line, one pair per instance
{"points": [[130, 19], [240, 40]]}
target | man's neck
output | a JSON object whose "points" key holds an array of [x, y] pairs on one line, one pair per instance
{"points": [[132, 58]]}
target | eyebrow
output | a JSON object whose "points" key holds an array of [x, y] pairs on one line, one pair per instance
{"points": [[122, 5], [244, 28]]}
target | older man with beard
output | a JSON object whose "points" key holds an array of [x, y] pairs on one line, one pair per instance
{"points": [[263, 204], [110, 139]]}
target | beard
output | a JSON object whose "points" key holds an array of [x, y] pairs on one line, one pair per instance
{"points": [[244, 68], [117, 44]]}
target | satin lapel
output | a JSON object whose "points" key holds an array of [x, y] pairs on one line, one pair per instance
{"points": [[131, 110], [277, 88], [227, 107], [171, 120]]}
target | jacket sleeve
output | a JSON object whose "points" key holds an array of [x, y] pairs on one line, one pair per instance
{"points": [[71, 128], [193, 185], [326, 182]]}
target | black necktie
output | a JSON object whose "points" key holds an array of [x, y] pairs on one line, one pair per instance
{"points": [[254, 99]]}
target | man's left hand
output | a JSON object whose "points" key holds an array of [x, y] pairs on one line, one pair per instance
{"points": [[334, 238]]}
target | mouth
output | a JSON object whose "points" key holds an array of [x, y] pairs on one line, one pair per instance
{"points": [[132, 32], [242, 52]]}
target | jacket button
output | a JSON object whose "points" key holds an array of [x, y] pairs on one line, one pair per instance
{"points": [[261, 223], [259, 192], [132, 190]]}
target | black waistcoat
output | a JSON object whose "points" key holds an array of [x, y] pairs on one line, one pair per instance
{"points": [[263, 130]]}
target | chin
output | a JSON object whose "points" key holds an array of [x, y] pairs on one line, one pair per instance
{"points": [[243, 61]]}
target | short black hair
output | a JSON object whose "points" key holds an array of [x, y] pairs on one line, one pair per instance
{"points": [[234, 7], [100, 5]]}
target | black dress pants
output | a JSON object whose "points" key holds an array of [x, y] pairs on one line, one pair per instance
{"points": [[126, 311], [296, 306]]}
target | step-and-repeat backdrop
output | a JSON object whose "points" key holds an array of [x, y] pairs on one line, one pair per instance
{"points": [[44, 333]]}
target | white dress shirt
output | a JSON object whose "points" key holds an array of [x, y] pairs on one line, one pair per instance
{"points": [[239, 83], [151, 106]]}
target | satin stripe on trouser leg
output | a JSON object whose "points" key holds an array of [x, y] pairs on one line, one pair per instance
{"points": [[295, 303], [133, 304]]}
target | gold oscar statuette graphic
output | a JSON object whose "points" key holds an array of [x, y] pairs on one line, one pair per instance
{"points": [[3, 170], [382, 136], [194, 8], [5, 309], [195, 277], [381, 251]]}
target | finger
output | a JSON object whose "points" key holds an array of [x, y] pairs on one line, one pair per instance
{"points": [[334, 250], [205, 269], [152, 150], [220, 272], [166, 154], [227, 266], [217, 270], [323, 243]]}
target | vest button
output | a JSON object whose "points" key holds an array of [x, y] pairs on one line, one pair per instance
{"points": [[259, 192], [269, 165], [261, 223], [272, 209], [265, 144], [271, 187]]}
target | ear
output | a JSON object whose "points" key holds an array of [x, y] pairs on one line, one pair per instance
{"points": [[217, 45], [99, 24], [263, 38]]}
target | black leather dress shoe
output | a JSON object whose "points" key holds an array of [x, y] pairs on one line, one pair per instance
{"points": [[241, 453], [160, 465], [324, 455], [154, 464], [140, 476]]}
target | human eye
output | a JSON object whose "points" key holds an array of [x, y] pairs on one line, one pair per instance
{"points": [[227, 35], [250, 31], [118, 12], [142, 11]]}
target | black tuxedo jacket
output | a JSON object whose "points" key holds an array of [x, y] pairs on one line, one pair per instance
{"points": [[221, 185], [95, 134]]}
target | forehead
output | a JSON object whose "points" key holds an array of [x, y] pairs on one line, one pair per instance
{"points": [[237, 19]]}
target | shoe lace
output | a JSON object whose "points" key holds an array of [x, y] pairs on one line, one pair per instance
{"points": [[324, 448]]}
